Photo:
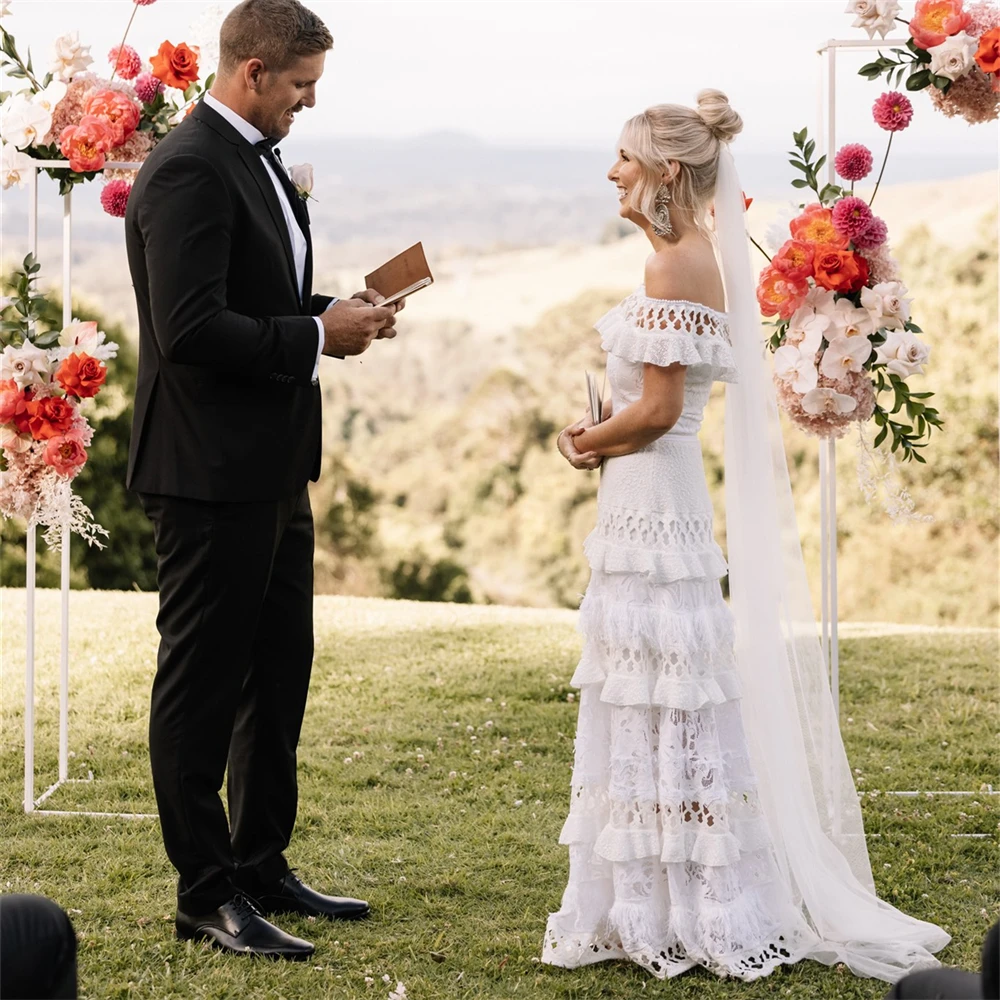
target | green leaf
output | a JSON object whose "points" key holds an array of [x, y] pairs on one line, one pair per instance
{"points": [[819, 163], [799, 166], [918, 80], [881, 436], [941, 82], [798, 183], [810, 148]]}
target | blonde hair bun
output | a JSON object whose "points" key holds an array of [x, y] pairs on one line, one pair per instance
{"points": [[715, 111]]}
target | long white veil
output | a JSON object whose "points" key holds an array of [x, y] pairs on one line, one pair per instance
{"points": [[805, 782]]}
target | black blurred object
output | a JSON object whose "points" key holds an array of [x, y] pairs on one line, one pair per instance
{"points": [[37, 949], [954, 984]]}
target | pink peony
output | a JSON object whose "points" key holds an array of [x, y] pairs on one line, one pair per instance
{"points": [[851, 217], [874, 236], [147, 87], [84, 145], [121, 113], [892, 111], [114, 198], [69, 110], [126, 62], [65, 454], [853, 162]]}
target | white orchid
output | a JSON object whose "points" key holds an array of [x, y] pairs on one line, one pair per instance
{"points": [[26, 365], [845, 354], [50, 96], [22, 122], [806, 329], [796, 367], [69, 57], [11, 441], [302, 177], [14, 166], [850, 321], [875, 16], [887, 305], [903, 353], [954, 57], [827, 400]]}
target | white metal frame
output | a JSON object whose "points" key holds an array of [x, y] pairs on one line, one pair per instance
{"points": [[32, 804]]}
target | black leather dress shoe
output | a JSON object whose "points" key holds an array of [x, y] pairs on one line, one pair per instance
{"points": [[238, 926], [290, 895]]}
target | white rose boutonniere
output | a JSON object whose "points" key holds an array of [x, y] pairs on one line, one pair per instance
{"points": [[302, 177]]}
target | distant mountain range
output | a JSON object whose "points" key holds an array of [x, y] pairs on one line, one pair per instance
{"points": [[459, 192]]}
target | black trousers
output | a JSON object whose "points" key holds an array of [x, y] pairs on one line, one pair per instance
{"points": [[236, 646], [37, 949]]}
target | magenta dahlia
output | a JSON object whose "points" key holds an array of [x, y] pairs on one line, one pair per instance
{"points": [[147, 87], [853, 162], [851, 217], [114, 198], [874, 236], [143, 3], [126, 62], [892, 111]]}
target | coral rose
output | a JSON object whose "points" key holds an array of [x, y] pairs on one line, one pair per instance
{"points": [[988, 53], [815, 225], [84, 145], [121, 114], [778, 294], [795, 260], [81, 375], [13, 405], [934, 20], [65, 454], [176, 66], [839, 270], [49, 417]]}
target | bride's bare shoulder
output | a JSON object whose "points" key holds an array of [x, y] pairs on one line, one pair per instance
{"points": [[685, 272]]}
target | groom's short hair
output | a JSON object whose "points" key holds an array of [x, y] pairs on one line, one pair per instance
{"points": [[277, 32]]}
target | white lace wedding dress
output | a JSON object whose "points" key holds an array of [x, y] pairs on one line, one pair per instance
{"points": [[671, 863]]}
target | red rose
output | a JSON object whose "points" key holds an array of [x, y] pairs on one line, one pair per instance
{"points": [[840, 270], [49, 417], [176, 66], [81, 375]]}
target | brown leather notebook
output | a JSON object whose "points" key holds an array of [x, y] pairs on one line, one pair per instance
{"points": [[405, 274]]}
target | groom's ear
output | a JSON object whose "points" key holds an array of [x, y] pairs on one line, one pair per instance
{"points": [[253, 73]]}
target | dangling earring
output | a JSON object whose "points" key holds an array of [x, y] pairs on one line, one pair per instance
{"points": [[661, 224]]}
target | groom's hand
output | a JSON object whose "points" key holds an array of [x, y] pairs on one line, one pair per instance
{"points": [[351, 325], [376, 299]]}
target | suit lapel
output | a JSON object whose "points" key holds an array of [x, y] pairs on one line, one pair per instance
{"points": [[255, 165]]}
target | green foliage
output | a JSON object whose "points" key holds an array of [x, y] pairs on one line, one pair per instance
{"points": [[128, 562], [420, 578], [910, 63], [460, 879], [801, 159]]}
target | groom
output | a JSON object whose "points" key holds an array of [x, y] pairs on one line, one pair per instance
{"points": [[226, 436]]}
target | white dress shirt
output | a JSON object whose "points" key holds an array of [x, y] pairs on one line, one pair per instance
{"points": [[253, 135]]}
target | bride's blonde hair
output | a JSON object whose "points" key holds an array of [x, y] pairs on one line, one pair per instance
{"points": [[692, 138]]}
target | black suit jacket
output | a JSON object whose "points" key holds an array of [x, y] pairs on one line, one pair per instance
{"points": [[225, 408]]}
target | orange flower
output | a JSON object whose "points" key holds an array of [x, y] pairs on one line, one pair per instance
{"points": [[49, 417], [778, 294], [84, 145], [13, 405], [176, 66], [840, 270], [747, 202], [121, 114], [988, 54], [795, 260], [815, 225], [934, 20], [81, 375]]}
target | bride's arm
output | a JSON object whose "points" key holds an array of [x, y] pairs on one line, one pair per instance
{"points": [[644, 421]]}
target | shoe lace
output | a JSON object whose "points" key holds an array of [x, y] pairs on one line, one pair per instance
{"points": [[245, 906]]}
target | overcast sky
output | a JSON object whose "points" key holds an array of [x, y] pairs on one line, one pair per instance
{"points": [[550, 72]]}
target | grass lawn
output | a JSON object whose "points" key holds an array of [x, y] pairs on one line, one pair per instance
{"points": [[434, 771]]}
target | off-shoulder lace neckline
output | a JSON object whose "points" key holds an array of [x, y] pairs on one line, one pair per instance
{"points": [[641, 291]]}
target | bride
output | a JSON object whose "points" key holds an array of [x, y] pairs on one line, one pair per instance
{"points": [[713, 818]]}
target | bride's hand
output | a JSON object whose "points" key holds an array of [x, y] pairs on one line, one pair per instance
{"points": [[567, 448]]}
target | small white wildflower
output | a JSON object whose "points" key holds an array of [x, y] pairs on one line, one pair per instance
{"points": [[489, 701], [470, 729], [369, 980], [571, 696], [496, 753], [399, 993], [409, 770], [887, 865], [518, 802], [348, 760], [420, 757], [488, 723], [358, 754], [386, 978], [453, 774], [518, 763]]}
